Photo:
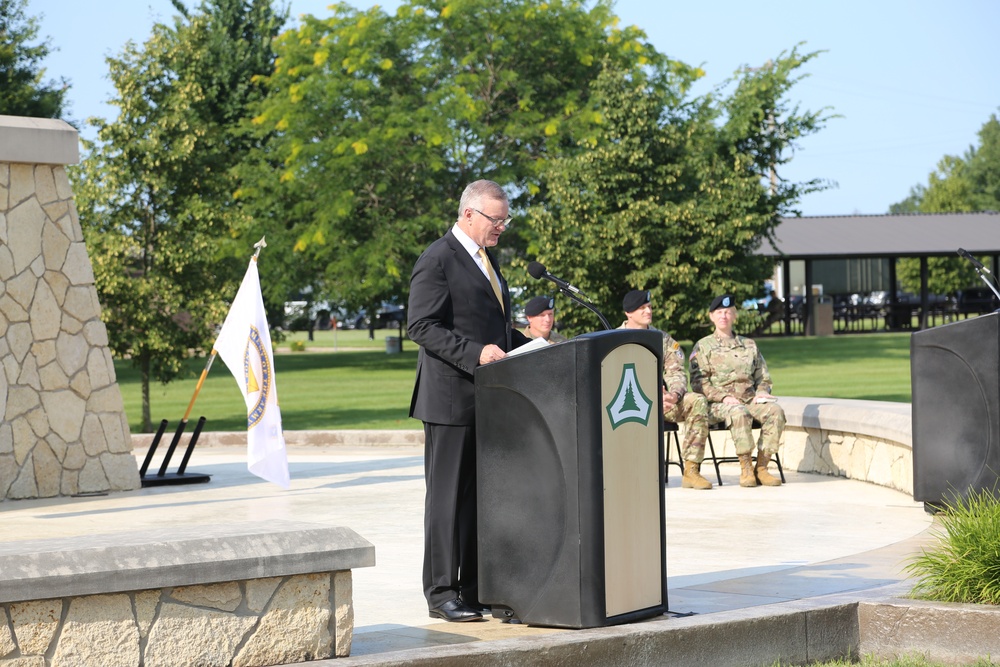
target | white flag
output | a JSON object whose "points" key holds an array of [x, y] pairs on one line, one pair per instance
{"points": [[245, 345]]}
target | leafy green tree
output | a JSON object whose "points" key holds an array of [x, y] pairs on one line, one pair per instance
{"points": [[375, 123], [22, 91], [959, 184], [155, 190], [984, 167], [676, 195]]}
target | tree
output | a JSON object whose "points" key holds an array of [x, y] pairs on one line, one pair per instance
{"points": [[155, 190], [984, 167], [22, 91], [676, 194], [959, 184], [376, 123]]}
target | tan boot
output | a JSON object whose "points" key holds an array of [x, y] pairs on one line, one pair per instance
{"points": [[747, 477], [763, 476], [692, 478]]}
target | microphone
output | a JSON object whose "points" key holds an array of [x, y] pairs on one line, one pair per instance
{"points": [[975, 262], [537, 270]]}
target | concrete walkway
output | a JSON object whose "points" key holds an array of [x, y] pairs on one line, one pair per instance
{"points": [[728, 548]]}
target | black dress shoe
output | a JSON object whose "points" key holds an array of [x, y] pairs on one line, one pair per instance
{"points": [[455, 611], [477, 606]]}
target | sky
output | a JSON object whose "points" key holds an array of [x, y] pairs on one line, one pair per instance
{"points": [[912, 80]]}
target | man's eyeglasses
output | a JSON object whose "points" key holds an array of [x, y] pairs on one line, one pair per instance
{"points": [[497, 222]]}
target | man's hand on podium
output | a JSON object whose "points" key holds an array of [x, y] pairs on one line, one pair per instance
{"points": [[490, 353]]}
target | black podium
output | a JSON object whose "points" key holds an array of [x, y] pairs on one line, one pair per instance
{"points": [[570, 474], [955, 377]]}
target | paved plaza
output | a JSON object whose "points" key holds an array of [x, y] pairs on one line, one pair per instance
{"points": [[728, 548]]}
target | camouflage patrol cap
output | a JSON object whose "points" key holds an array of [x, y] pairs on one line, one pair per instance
{"points": [[722, 301], [539, 305], [635, 300]]}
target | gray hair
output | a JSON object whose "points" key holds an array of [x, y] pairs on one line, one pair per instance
{"points": [[477, 191]]}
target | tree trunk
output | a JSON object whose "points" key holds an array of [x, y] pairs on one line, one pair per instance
{"points": [[144, 363]]}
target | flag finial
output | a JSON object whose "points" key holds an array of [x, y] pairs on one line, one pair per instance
{"points": [[257, 247]]}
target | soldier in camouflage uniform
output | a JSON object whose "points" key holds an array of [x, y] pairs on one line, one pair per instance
{"points": [[730, 371], [679, 404], [540, 312]]}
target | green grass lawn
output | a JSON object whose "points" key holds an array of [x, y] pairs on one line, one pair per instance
{"points": [[873, 367], [360, 386]]}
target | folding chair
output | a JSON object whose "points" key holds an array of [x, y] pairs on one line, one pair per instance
{"points": [[716, 460], [670, 430]]}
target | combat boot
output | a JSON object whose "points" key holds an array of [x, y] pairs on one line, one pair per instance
{"points": [[763, 476], [747, 478], [692, 478]]}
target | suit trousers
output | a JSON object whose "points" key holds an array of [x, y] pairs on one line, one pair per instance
{"points": [[450, 537]]}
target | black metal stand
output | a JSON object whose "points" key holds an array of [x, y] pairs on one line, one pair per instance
{"points": [[162, 477], [588, 305]]}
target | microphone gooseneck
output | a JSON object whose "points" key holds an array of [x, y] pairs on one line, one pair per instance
{"points": [[975, 262], [981, 271], [537, 271]]}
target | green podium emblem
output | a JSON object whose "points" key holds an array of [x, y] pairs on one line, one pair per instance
{"points": [[630, 403]]}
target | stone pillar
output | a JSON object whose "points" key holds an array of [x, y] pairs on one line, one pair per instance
{"points": [[64, 429]]}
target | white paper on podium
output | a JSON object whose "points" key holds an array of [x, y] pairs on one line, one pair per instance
{"points": [[535, 344]]}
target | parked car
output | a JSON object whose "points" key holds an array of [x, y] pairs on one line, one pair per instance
{"points": [[977, 300], [390, 316]]}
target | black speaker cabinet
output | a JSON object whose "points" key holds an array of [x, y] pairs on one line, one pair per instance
{"points": [[955, 376], [570, 474]]}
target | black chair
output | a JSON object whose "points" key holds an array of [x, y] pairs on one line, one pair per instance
{"points": [[716, 460], [670, 430]]}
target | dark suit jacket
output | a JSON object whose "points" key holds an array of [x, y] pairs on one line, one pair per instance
{"points": [[453, 314]]}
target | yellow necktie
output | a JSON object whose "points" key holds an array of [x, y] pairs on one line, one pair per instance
{"points": [[493, 277]]}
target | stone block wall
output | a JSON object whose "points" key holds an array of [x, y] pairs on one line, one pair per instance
{"points": [[249, 623], [868, 441], [234, 594], [64, 429]]}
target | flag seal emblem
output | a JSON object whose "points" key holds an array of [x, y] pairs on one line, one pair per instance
{"points": [[255, 362]]}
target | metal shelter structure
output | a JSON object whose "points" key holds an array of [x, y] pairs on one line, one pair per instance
{"points": [[883, 237]]}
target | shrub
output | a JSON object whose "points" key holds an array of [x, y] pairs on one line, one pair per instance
{"points": [[297, 346], [964, 566]]}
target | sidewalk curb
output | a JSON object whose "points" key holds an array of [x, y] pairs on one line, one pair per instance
{"points": [[381, 439]]}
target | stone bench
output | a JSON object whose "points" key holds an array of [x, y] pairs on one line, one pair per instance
{"points": [[864, 440], [234, 594]]}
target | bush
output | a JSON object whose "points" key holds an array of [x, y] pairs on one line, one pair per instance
{"points": [[965, 564], [297, 346]]}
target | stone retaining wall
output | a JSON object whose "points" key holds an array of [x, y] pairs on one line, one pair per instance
{"points": [[234, 595], [63, 430], [864, 440]]}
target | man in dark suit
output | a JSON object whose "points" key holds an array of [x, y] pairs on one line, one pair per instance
{"points": [[459, 314]]}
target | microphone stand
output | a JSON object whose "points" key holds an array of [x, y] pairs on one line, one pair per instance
{"points": [[586, 304]]}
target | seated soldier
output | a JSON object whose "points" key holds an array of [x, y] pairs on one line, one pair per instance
{"points": [[679, 404], [541, 315], [730, 371]]}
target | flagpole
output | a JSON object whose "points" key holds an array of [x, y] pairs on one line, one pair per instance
{"points": [[258, 246], [161, 474], [244, 343]]}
